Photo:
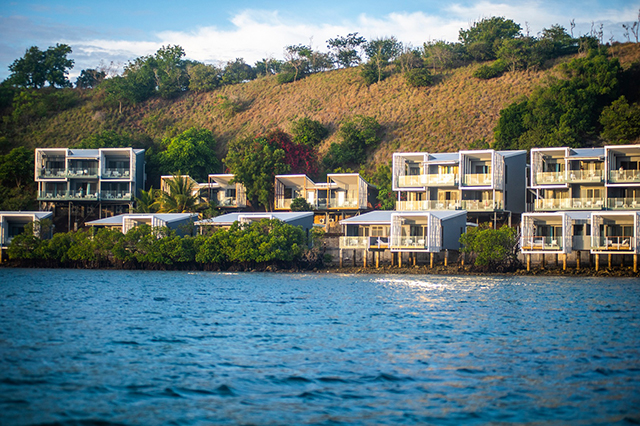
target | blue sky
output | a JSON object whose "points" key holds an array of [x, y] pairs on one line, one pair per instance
{"points": [[215, 31]]}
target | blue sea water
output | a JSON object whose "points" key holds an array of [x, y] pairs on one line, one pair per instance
{"points": [[177, 348]]}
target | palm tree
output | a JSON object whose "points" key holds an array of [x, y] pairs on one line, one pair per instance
{"points": [[147, 202], [182, 197]]}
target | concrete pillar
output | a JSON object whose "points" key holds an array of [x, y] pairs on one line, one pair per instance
{"points": [[578, 260], [354, 257], [446, 257], [364, 258], [635, 263], [393, 259], [597, 261], [399, 259], [609, 259], [544, 261], [528, 262], [377, 259], [557, 260], [413, 256], [564, 261], [341, 258], [431, 260]]}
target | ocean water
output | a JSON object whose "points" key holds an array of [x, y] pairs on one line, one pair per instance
{"points": [[176, 348]]}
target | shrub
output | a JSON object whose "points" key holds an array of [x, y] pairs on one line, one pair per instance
{"points": [[419, 77], [286, 77], [491, 249]]}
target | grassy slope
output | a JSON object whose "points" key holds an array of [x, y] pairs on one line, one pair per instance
{"points": [[456, 111]]}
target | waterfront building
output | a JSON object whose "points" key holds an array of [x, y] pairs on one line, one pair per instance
{"points": [[401, 232], [227, 195], [83, 184], [13, 223], [585, 199], [490, 185], [182, 223], [343, 195]]}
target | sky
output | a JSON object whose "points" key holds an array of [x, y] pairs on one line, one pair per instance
{"points": [[213, 32]]}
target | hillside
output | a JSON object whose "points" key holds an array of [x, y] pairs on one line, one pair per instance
{"points": [[458, 110]]}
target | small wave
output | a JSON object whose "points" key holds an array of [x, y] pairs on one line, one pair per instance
{"points": [[468, 370], [332, 380], [316, 395], [165, 340], [225, 390], [161, 299], [84, 422], [297, 379], [386, 377], [20, 382], [125, 342]]}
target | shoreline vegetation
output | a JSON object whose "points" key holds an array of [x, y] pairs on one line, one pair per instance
{"points": [[268, 245], [305, 267]]}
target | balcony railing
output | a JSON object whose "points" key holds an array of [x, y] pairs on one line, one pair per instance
{"points": [[624, 203], [115, 195], [412, 243], [82, 173], [444, 179], [118, 173], [482, 205], [569, 204], [549, 178], [613, 243], [428, 205], [347, 203], [585, 176], [354, 242], [478, 179], [52, 173], [232, 202], [532, 243], [620, 176]]}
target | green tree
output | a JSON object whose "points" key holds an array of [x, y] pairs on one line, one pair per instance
{"points": [[204, 78], [345, 49], [255, 163], [419, 77], [300, 205], [36, 67], [16, 167], [358, 135], [382, 179], [484, 37], [380, 53], [491, 249], [170, 70], [620, 121], [90, 79], [267, 67], [308, 132], [237, 72], [192, 152], [148, 202]]}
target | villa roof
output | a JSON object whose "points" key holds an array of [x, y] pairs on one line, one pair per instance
{"points": [[230, 218]]}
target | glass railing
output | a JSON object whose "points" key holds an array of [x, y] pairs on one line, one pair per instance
{"points": [[624, 203], [72, 172], [428, 205], [115, 195], [347, 203], [481, 205], [354, 242], [479, 179], [528, 243], [585, 176], [569, 204], [52, 173], [119, 173], [613, 243], [283, 203], [549, 178], [232, 202], [616, 176], [445, 179], [416, 243]]}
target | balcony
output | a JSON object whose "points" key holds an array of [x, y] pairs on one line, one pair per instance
{"points": [[481, 205], [67, 196], [233, 202], [624, 203], [347, 203], [52, 173], [428, 205], [586, 176], [569, 204], [549, 178], [624, 243], [115, 196], [117, 173], [477, 179], [531, 243], [445, 179], [82, 173], [622, 176], [354, 242]]}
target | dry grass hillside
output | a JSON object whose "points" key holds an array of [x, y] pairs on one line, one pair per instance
{"points": [[456, 111]]}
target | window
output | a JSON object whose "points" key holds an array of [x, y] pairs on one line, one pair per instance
{"points": [[377, 231], [230, 193]]}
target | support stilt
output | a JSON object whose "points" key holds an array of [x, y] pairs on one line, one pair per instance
{"points": [[341, 258], [564, 261], [544, 261], [364, 258], [431, 261], [354, 257], [597, 261], [399, 259], [609, 260], [528, 262], [377, 259], [578, 253], [446, 257], [635, 263]]}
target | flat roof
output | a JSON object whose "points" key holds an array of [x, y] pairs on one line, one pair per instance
{"points": [[36, 214], [229, 218], [384, 216], [119, 219]]}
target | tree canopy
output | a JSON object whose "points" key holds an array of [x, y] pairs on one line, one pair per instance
{"points": [[36, 68], [191, 152]]}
